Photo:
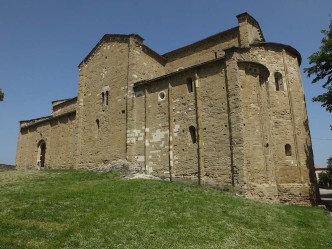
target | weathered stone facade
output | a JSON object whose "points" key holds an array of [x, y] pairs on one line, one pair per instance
{"points": [[226, 111]]}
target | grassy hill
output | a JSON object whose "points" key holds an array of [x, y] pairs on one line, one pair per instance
{"points": [[81, 209]]}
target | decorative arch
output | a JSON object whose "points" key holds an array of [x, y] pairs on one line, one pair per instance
{"points": [[41, 153], [255, 69]]}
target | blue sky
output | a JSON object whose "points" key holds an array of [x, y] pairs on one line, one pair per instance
{"points": [[43, 41]]}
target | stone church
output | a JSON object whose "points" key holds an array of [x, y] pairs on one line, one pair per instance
{"points": [[226, 111]]}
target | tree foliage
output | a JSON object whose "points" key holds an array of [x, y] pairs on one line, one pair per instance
{"points": [[321, 68], [2, 95], [329, 166], [325, 178]]}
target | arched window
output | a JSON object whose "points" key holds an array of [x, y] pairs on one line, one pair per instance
{"points": [[278, 81], [288, 150], [190, 85], [192, 132]]}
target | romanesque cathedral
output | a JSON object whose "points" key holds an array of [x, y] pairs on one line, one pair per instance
{"points": [[226, 111]]}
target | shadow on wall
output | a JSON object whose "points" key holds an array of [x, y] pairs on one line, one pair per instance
{"points": [[314, 190], [309, 152]]}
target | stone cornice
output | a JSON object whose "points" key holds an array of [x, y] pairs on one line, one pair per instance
{"points": [[144, 82], [200, 42], [33, 122]]}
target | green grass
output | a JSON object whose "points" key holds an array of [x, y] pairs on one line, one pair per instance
{"points": [[81, 209]]}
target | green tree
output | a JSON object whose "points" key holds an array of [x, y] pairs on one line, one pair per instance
{"points": [[323, 180], [1, 95], [329, 167], [321, 68]]}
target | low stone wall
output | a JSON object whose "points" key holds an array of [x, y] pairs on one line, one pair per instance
{"points": [[6, 167]]}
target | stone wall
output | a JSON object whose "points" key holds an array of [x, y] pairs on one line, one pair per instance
{"points": [[29, 139], [61, 107], [102, 100], [144, 64], [62, 145], [59, 135], [214, 132], [185, 114], [202, 51], [273, 119]]}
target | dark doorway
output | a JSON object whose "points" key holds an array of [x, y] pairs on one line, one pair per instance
{"points": [[42, 154]]}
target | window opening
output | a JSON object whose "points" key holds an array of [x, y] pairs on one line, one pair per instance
{"points": [[105, 96], [192, 131], [288, 150], [106, 101], [278, 81], [98, 126], [190, 85], [162, 95]]}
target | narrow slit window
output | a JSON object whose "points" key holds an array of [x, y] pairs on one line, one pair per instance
{"points": [[278, 81], [192, 132], [98, 126], [288, 150], [190, 85], [106, 98]]}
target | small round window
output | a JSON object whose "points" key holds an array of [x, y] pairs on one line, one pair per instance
{"points": [[162, 95]]}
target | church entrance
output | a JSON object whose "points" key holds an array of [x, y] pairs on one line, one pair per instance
{"points": [[41, 154]]}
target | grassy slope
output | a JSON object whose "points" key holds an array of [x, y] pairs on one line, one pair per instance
{"points": [[80, 209]]}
